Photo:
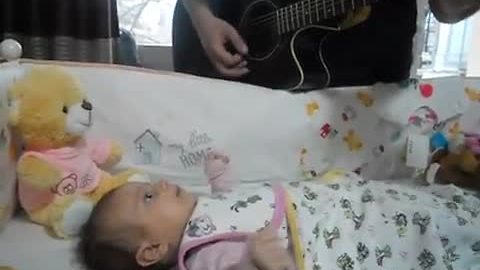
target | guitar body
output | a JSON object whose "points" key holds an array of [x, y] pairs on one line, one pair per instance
{"points": [[296, 62], [302, 59], [293, 61]]}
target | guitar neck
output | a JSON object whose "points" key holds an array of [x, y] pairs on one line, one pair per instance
{"points": [[307, 12]]}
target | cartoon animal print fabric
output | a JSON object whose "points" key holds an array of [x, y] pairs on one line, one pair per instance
{"points": [[200, 226], [365, 130], [339, 133], [358, 224]]}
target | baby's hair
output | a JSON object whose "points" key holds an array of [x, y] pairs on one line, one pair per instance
{"points": [[98, 249]]}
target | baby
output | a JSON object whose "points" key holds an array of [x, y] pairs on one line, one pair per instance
{"points": [[352, 224]]}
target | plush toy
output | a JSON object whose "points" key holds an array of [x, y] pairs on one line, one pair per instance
{"points": [[458, 163], [60, 171]]}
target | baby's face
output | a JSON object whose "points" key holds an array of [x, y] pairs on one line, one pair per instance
{"points": [[161, 211]]}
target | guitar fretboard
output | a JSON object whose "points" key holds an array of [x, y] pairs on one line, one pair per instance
{"points": [[307, 12]]}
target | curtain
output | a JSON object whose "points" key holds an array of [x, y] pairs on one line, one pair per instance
{"points": [[69, 30]]}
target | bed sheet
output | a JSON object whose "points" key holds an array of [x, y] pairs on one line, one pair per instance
{"points": [[26, 246]]}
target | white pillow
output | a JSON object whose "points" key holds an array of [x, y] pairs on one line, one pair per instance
{"points": [[8, 73]]}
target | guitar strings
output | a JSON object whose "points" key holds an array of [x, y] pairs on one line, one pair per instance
{"points": [[295, 12], [292, 20], [272, 14], [315, 7], [316, 4]]}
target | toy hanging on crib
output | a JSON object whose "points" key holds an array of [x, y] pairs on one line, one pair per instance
{"points": [[457, 162]]}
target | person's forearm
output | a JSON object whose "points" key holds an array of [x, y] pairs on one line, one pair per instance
{"points": [[197, 9], [452, 11]]}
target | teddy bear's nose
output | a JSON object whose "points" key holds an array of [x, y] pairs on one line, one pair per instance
{"points": [[87, 105]]}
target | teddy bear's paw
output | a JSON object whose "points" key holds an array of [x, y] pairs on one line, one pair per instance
{"points": [[139, 178], [116, 153], [75, 216]]}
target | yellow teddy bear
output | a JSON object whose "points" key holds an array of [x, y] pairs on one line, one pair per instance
{"points": [[60, 175]]}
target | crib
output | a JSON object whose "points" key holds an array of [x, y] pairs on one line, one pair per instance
{"points": [[167, 122]]}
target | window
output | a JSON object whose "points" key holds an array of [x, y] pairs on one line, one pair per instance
{"points": [[150, 21], [446, 47]]}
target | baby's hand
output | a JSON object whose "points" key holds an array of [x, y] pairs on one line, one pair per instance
{"points": [[266, 252]]}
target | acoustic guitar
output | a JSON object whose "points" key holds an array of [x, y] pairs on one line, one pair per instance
{"points": [[286, 38]]}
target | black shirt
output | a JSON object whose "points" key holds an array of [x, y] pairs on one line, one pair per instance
{"points": [[378, 50]]}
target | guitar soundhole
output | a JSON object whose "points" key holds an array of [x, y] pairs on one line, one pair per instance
{"points": [[259, 29]]}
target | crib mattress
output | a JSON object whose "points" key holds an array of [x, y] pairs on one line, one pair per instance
{"points": [[25, 246]]}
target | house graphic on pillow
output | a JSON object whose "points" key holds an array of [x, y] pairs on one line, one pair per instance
{"points": [[148, 148]]}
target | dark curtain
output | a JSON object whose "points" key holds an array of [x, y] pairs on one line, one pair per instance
{"points": [[70, 30]]}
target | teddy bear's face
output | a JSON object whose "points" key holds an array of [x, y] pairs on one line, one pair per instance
{"points": [[49, 110]]}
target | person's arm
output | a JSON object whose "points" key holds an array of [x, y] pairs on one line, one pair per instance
{"points": [[453, 11], [215, 34], [198, 10]]}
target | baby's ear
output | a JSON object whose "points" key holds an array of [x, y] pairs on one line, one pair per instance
{"points": [[149, 254]]}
